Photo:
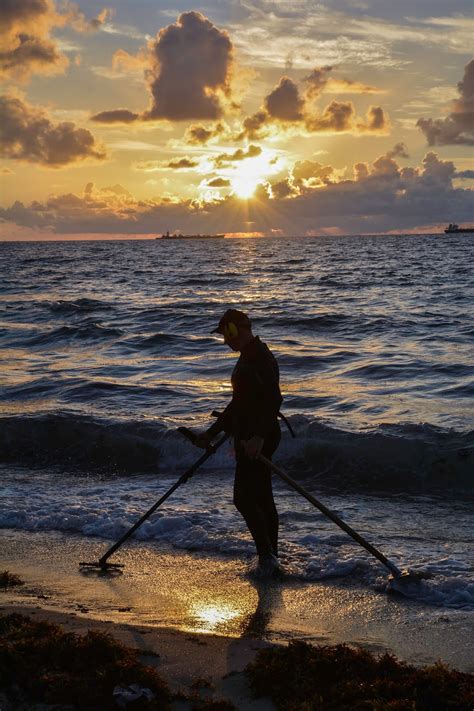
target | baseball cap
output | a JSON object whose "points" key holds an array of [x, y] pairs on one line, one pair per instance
{"points": [[232, 316]]}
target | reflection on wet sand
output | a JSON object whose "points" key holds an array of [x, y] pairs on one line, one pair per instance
{"points": [[249, 614]]}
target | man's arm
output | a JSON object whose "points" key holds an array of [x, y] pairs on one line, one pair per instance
{"points": [[223, 423]]}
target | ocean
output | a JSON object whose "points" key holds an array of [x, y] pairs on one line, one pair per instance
{"points": [[106, 350]]}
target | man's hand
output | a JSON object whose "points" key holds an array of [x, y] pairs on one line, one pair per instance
{"points": [[203, 440], [253, 446]]}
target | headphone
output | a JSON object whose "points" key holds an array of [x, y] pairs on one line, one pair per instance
{"points": [[231, 330]]}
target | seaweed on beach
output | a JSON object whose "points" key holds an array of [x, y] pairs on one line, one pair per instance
{"points": [[9, 580], [303, 677], [41, 662]]}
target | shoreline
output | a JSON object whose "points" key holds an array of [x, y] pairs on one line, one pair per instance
{"points": [[181, 672], [176, 594], [184, 660]]}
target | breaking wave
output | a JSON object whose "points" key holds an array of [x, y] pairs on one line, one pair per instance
{"points": [[401, 457]]}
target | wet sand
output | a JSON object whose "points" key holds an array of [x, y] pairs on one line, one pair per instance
{"points": [[206, 618]]}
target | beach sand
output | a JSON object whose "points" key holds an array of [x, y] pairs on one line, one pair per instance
{"points": [[206, 618]]}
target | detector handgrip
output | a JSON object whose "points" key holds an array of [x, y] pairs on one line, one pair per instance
{"points": [[189, 434]]}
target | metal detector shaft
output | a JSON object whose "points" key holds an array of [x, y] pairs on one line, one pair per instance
{"points": [[183, 478], [330, 514]]}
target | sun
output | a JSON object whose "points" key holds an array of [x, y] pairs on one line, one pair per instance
{"points": [[244, 187], [252, 172]]}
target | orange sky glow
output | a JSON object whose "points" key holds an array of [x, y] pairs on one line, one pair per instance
{"points": [[128, 121]]}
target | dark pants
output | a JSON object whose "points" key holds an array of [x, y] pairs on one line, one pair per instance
{"points": [[253, 496]]}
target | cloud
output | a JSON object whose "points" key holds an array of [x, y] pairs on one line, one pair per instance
{"points": [[191, 67], [320, 82], [305, 175], [197, 134], [255, 126], [179, 163], [284, 102], [337, 116], [436, 170], [154, 166], [311, 171], [239, 154], [26, 45], [123, 62], [317, 81], [316, 31], [115, 116], [219, 183], [28, 134], [376, 121], [399, 150], [458, 127], [464, 174], [383, 196], [288, 108], [188, 68], [349, 86], [78, 21], [116, 189]]}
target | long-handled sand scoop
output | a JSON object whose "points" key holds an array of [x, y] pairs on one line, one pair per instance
{"points": [[397, 574], [102, 563]]}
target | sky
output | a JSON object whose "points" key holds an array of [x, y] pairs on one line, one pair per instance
{"points": [[248, 117]]}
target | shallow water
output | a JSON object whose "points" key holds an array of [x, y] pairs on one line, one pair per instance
{"points": [[213, 595], [420, 533]]}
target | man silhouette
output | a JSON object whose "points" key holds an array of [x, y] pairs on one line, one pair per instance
{"points": [[252, 418]]}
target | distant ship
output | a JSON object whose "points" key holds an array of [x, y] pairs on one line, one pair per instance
{"points": [[455, 229], [168, 236]]}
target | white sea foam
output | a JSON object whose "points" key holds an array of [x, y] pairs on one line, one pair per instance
{"points": [[200, 517]]}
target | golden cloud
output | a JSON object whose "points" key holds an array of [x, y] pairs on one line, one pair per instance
{"points": [[26, 45], [287, 108], [29, 135], [188, 67], [219, 183], [197, 134], [239, 154]]}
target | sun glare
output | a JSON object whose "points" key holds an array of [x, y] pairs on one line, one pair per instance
{"points": [[251, 172], [244, 187]]}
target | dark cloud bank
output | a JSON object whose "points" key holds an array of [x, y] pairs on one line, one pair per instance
{"points": [[379, 197]]}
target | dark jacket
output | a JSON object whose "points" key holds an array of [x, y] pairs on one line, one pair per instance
{"points": [[256, 397]]}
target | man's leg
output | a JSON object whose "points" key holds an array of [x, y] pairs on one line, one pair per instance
{"points": [[248, 502], [253, 497]]}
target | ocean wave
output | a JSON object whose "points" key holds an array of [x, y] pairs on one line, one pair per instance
{"points": [[312, 322], [80, 306], [153, 342], [80, 442], [81, 332], [463, 390], [401, 457]]}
